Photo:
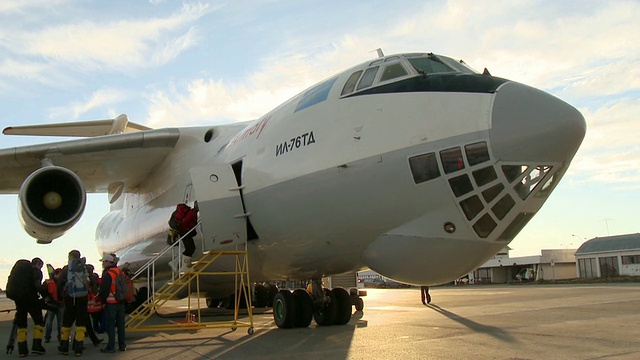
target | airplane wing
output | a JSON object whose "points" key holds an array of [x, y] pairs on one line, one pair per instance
{"points": [[118, 125], [99, 161]]}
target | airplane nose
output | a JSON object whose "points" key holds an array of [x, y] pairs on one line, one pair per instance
{"points": [[531, 125]]}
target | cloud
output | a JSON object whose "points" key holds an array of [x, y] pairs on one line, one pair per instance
{"points": [[99, 98], [106, 44], [610, 152]]}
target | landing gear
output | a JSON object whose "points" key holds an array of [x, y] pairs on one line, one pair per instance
{"points": [[284, 309], [326, 307]]}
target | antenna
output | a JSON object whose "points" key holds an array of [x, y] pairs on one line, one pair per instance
{"points": [[380, 53], [606, 221]]}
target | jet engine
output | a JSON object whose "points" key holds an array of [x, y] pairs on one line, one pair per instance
{"points": [[51, 200]]}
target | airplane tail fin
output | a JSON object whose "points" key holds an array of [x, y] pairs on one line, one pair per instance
{"points": [[119, 125]]}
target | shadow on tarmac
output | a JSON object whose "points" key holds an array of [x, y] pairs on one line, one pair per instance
{"points": [[489, 330]]}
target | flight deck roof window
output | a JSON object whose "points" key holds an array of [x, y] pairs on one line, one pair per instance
{"points": [[429, 65], [367, 78], [393, 71]]}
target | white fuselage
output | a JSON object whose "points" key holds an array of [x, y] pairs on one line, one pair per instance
{"points": [[329, 188]]}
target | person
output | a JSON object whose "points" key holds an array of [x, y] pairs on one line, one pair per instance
{"points": [[114, 309], [424, 295], [94, 305], [188, 219], [54, 307], [74, 281], [24, 288]]}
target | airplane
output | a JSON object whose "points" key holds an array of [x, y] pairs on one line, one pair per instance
{"points": [[413, 165]]}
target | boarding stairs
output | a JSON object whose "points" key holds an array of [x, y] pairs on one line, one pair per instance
{"points": [[184, 278]]}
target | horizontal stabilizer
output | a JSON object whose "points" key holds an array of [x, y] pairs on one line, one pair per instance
{"points": [[119, 125]]}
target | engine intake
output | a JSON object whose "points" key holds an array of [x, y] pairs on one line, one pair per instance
{"points": [[51, 200]]}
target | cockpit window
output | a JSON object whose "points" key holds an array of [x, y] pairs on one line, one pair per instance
{"points": [[393, 71], [367, 78], [350, 85], [427, 65], [316, 94]]}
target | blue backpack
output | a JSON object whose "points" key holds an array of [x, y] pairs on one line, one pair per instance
{"points": [[77, 279]]}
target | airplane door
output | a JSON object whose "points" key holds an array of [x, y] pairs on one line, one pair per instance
{"points": [[218, 195]]}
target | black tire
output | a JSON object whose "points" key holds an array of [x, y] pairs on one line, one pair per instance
{"points": [[304, 306], [326, 315], [343, 306], [272, 291], [213, 303], [359, 304], [232, 300], [261, 296], [284, 309]]}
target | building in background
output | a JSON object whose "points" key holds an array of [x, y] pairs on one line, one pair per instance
{"points": [[609, 256], [551, 264]]}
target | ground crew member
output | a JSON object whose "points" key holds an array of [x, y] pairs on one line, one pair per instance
{"points": [[24, 288], [424, 294], [74, 280], [114, 309]]}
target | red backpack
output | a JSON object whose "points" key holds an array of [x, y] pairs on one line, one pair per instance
{"points": [[178, 215]]}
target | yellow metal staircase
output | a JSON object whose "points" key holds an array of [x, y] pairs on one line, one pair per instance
{"points": [[136, 320]]}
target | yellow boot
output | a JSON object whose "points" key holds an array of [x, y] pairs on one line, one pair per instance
{"points": [[37, 347], [65, 332], [23, 348], [78, 343]]}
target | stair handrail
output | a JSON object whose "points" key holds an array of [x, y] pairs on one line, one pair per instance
{"points": [[151, 261]]}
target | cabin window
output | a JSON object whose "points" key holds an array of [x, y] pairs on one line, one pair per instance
{"points": [[477, 153], [460, 185], [316, 94], [484, 176], [502, 207], [529, 181], [484, 226], [452, 160], [350, 85], [472, 206], [512, 172], [393, 71], [424, 167], [492, 192], [367, 78]]}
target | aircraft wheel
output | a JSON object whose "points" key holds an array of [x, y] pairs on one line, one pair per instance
{"points": [[326, 315], [261, 296], [284, 309], [343, 306], [212, 303], [359, 304], [305, 308], [250, 331], [272, 290]]}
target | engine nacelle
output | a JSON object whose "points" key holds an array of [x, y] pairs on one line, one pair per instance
{"points": [[51, 200]]}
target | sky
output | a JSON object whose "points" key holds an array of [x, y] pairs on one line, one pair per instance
{"points": [[170, 63]]}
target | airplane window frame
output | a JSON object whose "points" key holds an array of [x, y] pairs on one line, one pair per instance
{"points": [[424, 167], [316, 94], [392, 75], [351, 82], [452, 160], [362, 84]]}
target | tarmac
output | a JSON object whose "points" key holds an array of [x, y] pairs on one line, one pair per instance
{"points": [[556, 321]]}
